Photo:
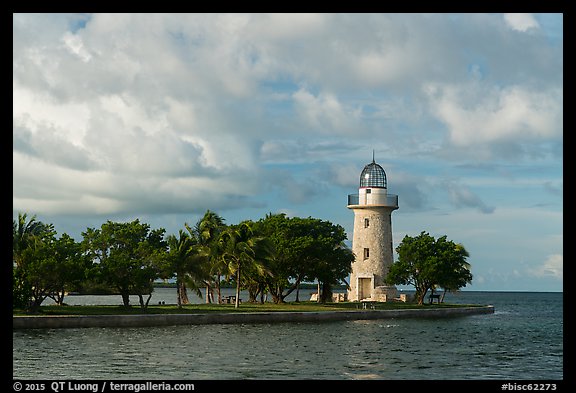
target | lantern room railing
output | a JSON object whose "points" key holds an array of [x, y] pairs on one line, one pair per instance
{"points": [[377, 200]]}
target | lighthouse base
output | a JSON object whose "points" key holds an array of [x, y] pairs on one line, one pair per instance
{"points": [[381, 293], [384, 293]]}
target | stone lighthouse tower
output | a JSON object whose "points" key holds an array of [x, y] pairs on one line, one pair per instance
{"points": [[372, 239]]}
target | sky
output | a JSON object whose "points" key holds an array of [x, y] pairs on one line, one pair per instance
{"points": [[160, 117]]}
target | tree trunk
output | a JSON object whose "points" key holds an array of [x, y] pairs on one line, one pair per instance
{"points": [[218, 291], [237, 303], [126, 299], [262, 293], [276, 298], [326, 293], [209, 293], [182, 294], [262, 297], [59, 298], [35, 302], [421, 296], [143, 304], [298, 292], [253, 294], [275, 292]]}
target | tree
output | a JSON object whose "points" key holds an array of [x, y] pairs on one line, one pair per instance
{"points": [[454, 271], [207, 231], [69, 266], [428, 263], [256, 273], [25, 232], [241, 251], [304, 248], [21, 289], [332, 269], [127, 256], [186, 260], [287, 261], [50, 267], [38, 270], [32, 266], [330, 260]]}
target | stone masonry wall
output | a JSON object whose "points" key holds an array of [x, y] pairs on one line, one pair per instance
{"points": [[377, 238]]}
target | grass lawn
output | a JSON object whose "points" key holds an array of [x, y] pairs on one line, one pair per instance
{"points": [[227, 308]]}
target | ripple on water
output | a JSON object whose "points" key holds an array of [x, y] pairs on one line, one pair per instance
{"points": [[514, 343]]}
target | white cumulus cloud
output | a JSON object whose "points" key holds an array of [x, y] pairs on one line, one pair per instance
{"points": [[553, 266], [521, 22]]}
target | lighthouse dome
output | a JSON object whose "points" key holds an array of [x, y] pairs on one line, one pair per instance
{"points": [[373, 176]]}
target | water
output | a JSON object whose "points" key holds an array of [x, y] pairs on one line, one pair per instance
{"points": [[522, 340], [166, 295]]}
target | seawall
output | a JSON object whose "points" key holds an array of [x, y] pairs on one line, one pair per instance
{"points": [[146, 320]]}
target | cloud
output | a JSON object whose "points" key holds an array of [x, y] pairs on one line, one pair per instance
{"points": [[343, 174], [411, 190], [462, 196], [167, 111], [553, 266], [161, 116], [325, 113], [317, 150], [75, 45], [296, 190], [521, 22], [57, 190], [477, 115], [47, 145]]}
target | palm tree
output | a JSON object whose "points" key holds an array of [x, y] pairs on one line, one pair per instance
{"points": [[207, 231], [258, 271], [29, 238], [25, 233], [240, 250], [187, 259]]}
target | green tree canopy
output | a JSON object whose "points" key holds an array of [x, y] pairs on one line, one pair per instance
{"points": [[244, 253], [128, 256], [25, 232], [304, 249], [207, 230], [70, 266], [33, 262], [429, 263], [188, 261]]}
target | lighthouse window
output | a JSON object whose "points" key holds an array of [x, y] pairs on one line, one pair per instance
{"points": [[368, 191], [366, 253], [366, 223]]}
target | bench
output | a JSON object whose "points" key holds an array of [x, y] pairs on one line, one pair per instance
{"points": [[230, 299], [432, 297], [368, 304]]}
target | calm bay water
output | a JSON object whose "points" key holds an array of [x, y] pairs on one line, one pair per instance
{"points": [[522, 340]]}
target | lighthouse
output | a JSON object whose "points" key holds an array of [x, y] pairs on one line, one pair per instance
{"points": [[372, 239]]}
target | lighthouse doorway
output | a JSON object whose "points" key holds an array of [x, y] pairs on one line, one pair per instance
{"points": [[364, 288]]}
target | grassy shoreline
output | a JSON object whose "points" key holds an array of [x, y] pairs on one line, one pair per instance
{"points": [[305, 306]]}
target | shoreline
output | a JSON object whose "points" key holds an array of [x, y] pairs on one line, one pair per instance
{"points": [[149, 320]]}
